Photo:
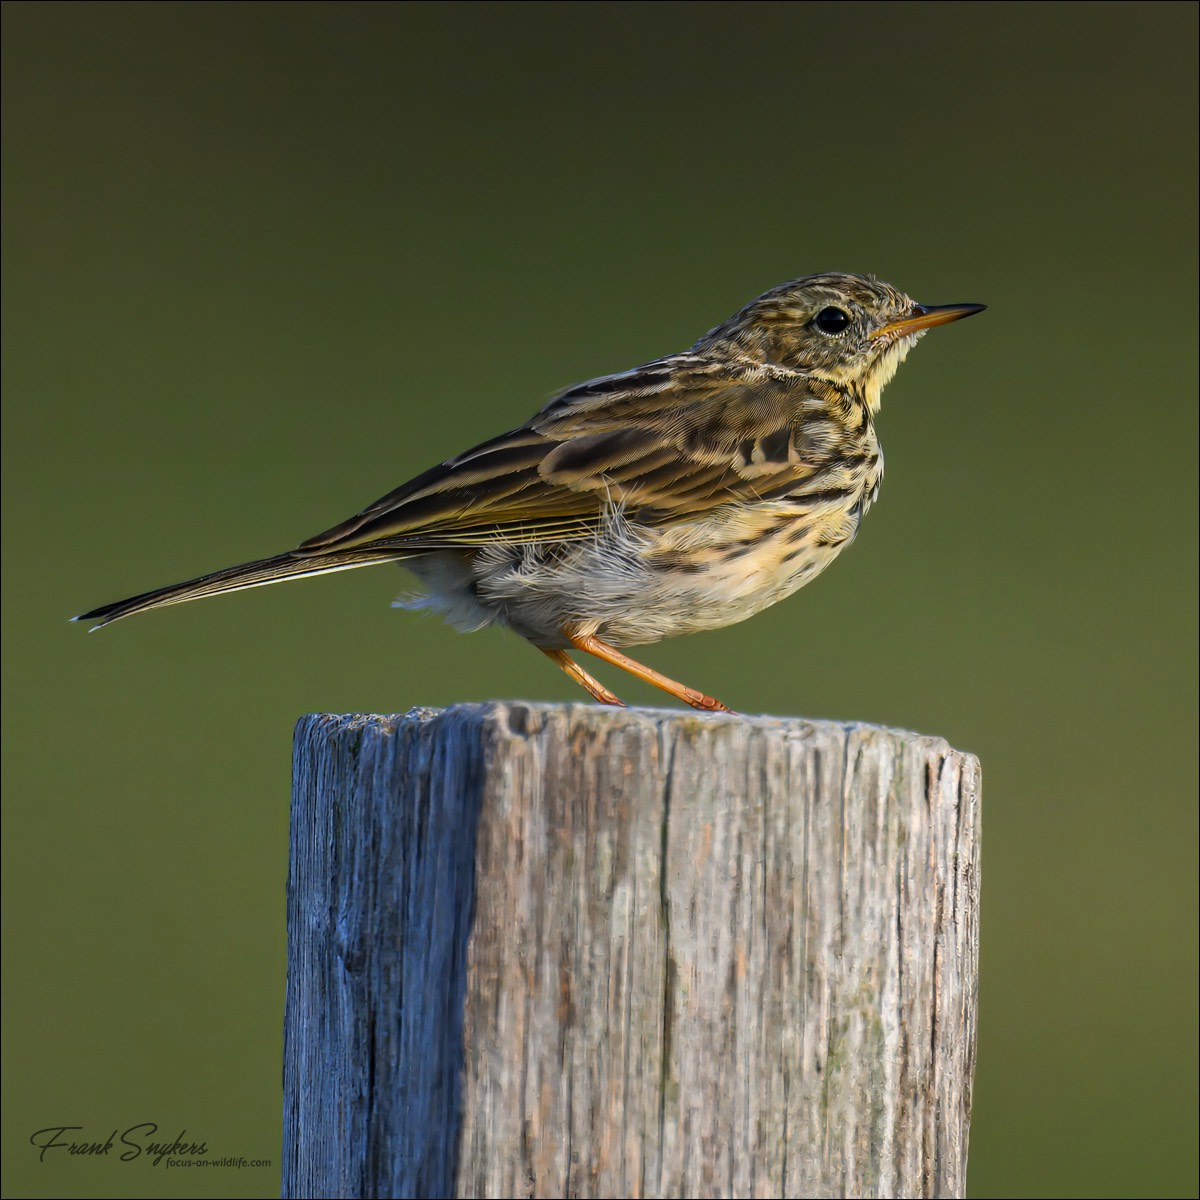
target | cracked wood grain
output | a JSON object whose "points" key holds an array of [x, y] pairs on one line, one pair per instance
{"points": [[567, 951]]}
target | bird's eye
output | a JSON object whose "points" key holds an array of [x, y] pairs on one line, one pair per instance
{"points": [[831, 320]]}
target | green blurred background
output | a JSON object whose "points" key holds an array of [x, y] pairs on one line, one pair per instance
{"points": [[266, 261]]}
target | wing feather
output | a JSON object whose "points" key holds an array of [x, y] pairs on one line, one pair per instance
{"points": [[669, 440]]}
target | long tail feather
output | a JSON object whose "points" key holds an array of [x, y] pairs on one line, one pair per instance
{"points": [[236, 579]]}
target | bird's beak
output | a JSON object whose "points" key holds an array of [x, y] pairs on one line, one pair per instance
{"points": [[926, 317]]}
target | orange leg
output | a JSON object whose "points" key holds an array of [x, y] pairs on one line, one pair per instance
{"points": [[593, 645], [581, 677]]}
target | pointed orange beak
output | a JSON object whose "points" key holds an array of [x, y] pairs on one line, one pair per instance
{"points": [[926, 317]]}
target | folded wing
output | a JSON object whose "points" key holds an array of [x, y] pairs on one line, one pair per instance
{"points": [[667, 441]]}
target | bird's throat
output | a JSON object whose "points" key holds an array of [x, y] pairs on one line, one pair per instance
{"points": [[881, 372]]}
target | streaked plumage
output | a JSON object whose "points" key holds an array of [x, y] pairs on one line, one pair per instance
{"points": [[686, 494]]}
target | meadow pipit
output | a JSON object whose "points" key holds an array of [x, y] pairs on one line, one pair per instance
{"points": [[682, 495]]}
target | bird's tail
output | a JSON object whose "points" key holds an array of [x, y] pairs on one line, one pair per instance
{"points": [[246, 575]]}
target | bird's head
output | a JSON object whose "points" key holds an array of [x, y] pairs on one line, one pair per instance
{"points": [[852, 330]]}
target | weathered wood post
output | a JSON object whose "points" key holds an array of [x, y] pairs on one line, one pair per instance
{"points": [[569, 951]]}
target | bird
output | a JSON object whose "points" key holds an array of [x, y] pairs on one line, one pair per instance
{"points": [[682, 495]]}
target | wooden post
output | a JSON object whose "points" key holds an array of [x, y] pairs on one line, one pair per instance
{"points": [[572, 951]]}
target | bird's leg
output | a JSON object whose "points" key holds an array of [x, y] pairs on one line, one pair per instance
{"points": [[593, 645], [581, 677]]}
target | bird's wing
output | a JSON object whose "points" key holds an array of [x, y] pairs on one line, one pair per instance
{"points": [[666, 441]]}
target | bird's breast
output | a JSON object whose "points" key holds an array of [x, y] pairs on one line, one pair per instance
{"points": [[633, 582]]}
